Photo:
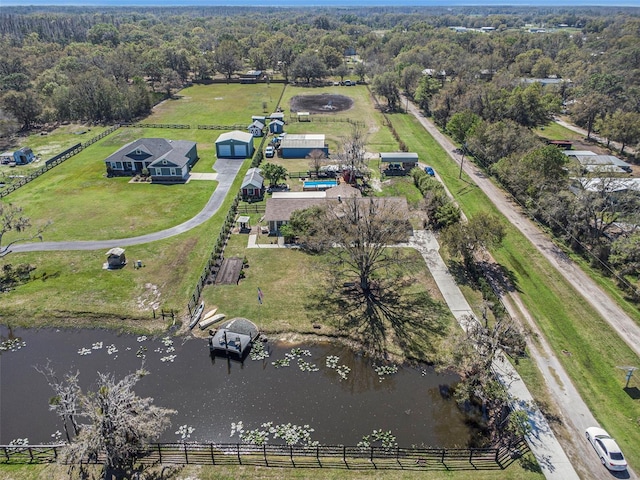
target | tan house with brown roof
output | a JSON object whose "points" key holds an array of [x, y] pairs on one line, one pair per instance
{"points": [[280, 207]]}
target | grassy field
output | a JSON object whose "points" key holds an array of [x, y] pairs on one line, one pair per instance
{"points": [[378, 138], [290, 307], [223, 472], [71, 288]]}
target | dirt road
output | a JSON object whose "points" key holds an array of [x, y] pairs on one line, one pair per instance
{"points": [[576, 416], [624, 325]]}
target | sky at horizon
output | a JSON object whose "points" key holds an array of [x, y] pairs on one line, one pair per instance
{"points": [[323, 3]]}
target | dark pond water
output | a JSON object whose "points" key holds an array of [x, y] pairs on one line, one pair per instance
{"points": [[209, 394]]}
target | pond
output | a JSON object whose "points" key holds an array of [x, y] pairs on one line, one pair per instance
{"points": [[212, 393]]}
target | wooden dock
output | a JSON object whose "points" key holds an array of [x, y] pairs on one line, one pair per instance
{"points": [[234, 337]]}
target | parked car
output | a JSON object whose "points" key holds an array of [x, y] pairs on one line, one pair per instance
{"points": [[269, 152], [430, 171], [606, 448], [348, 83]]}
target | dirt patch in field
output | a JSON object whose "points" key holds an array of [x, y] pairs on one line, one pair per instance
{"points": [[323, 103]]}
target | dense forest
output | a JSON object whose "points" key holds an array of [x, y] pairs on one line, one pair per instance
{"points": [[476, 71]]}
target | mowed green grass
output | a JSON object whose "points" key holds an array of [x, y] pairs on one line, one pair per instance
{"points": [[72, 289], [377, 137], [90, 206], [218, 104], [235, 472], [566, 319], [290, 280]]}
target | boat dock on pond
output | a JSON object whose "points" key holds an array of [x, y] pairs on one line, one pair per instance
{"points": [[233, 337]]}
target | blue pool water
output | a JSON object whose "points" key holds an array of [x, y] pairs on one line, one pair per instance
{"points": [[320, 184]]}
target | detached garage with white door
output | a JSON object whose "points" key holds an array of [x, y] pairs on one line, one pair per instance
{"points": [[234, 144]]}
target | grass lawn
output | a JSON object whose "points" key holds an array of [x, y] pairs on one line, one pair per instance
{"points": [[554, 131], [70, 288], [218, 104], [91, 206], [290, 306], [224, 472]]}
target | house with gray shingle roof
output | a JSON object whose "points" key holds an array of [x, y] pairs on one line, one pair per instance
{"points": [[168, 161], [253, 184]]}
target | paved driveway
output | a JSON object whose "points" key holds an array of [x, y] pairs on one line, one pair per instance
{"points": [[227, 169]]}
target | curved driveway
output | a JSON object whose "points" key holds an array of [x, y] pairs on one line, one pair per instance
{"points": [[227, 171]]}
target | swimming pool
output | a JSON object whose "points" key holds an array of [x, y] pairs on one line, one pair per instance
{"points": [[319, 184]]}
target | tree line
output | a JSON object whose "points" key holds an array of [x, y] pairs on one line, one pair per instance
{"points": [[80, 64]]}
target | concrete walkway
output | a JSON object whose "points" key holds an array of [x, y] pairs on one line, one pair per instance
{"points": [[545, 447], [253, 242]]}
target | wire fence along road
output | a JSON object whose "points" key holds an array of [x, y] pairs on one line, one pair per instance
{"points": [[323, 456]]}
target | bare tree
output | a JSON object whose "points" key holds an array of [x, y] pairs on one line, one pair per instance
{"points": [[11, 219], [369, 282], [317, 159], [470, 354], [119, 424], [66, 398], [352, 154]]}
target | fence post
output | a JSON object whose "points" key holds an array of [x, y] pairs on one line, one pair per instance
{"points": [[264, 453], [444, 451], [344, 454], [31, 454], [6, 453], [186, 455], [239, 459], [291, 455], [159, 452], [318, 454], [471, 455], [213, 458]]}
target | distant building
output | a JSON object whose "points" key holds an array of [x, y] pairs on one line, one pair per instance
{"points": [[22, 156], [276, 126]]}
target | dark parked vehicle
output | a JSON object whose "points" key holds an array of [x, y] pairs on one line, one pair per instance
{"points": [[430, 171]]}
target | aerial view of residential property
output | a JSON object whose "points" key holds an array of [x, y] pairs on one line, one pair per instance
{"points": [[334, 240]]}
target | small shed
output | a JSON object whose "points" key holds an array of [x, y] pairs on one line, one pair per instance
{"points": [[22, 156], [276, 126], [398, 163], [252, 184], [116, 258], [234, 144], [277, 116], [304, 117], [256, 128], [244, 222]]}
